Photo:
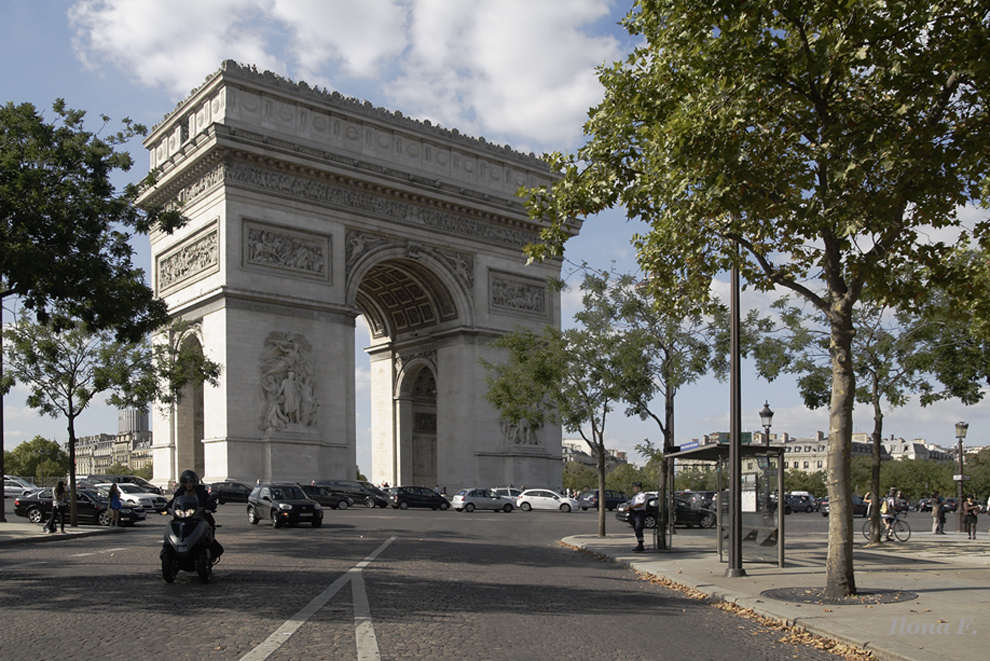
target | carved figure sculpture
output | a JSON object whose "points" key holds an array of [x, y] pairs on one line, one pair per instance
{"points": [[287, 381]]}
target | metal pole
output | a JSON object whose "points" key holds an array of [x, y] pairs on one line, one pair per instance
{"points": [[735, 436], [959, 490]]}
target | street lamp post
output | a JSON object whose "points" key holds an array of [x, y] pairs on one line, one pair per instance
{"points": [[961, 428], [766, 419]]}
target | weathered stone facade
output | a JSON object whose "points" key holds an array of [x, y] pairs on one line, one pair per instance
{"points": [[307, 209]]}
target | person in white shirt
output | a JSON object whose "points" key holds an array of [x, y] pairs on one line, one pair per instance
{"points": [[637, 510]]}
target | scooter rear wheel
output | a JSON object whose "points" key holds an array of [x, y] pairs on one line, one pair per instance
{"points": [[170, 566]]}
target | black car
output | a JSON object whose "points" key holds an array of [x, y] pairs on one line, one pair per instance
{"points": [[327, 497], [800, 503], [360, 493], [283, 503], [229, 491], [406, 497], [613, 499], [685, 514], [859, 505], [91, 508]]}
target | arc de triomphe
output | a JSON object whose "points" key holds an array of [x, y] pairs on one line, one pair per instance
{"points": [[308, 209]]}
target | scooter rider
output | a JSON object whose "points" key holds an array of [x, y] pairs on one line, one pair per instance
{"points": [[189, 486]]}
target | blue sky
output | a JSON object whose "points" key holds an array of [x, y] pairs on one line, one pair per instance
{"points": [[515, 71]]}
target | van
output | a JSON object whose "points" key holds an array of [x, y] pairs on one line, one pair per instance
{"points": [[362, 493]]}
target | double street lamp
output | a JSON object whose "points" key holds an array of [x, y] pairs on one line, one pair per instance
{"points": [[961, 428], [766, 419]]}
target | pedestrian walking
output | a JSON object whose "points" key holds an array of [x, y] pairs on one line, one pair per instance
{"points": [[60, 503], [970, 509], [938, 514], [637, 510], [114, 505]]}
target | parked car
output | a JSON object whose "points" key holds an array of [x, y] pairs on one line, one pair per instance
{"points": [[91, 508], [512, 493], [14, 486], [545, 499], [229, 491], [282, 503], [132, 494], [327, 497], [859, 505], [128, 479], [469, 500], [414, 496], [698, 499], [801, 503], [360, 492], [613, 499], [923, 505], [685, 513], [951, 504]]}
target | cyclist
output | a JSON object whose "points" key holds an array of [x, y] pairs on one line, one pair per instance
{"points": [[888, 511]]}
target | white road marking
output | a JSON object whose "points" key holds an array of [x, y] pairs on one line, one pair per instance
{"points": [[367, 643], [83, 555], [23, 564]]}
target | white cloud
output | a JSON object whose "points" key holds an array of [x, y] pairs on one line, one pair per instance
{"points": [[515, 71]]}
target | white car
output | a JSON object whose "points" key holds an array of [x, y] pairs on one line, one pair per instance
{"points": [[14, 486], [544, 499], [483, 499], [132, 494]]}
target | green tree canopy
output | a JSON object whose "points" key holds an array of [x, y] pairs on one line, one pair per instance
{"points": [[37, 459], [812, 144]]}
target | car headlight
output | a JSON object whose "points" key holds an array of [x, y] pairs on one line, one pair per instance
{"points": [[284, 506]]}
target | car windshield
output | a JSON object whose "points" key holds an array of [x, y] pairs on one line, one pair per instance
{"points": [[129, 488], [288, 493]]}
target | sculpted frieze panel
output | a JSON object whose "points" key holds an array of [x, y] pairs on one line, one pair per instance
{"points": [[288, 384], [299, 254], [196, 257], [517, 295]]}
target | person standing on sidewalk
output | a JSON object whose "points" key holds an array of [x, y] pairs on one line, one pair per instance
{"points": [[114, 505], [60, 502], [637, 510], [970, 508], [938, 514]]}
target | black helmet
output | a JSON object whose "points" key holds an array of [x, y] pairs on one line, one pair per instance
{"points": [[188, 476]]}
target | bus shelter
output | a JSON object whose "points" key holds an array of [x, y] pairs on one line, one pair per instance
{"points": [[762, 488]]}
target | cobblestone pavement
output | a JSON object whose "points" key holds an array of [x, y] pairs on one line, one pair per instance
{"points": [[450, 586]]}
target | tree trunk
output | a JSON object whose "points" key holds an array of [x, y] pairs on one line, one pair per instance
{"points": [[601, 488], [73, 519], [839, 579]]}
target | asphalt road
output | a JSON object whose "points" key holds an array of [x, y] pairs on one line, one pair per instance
{"points": [[369, 584]]}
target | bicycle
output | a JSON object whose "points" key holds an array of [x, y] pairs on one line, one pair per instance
{"points": [[899, 529]]}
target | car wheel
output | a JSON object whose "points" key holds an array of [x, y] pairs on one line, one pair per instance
{"points": [[104, 519], [584, 509], [317, 523], [204, 567], [34, 515], [650, 521], [276, 522], [252, 516], [525, 507], [507, 508], [469, 507], [342, 505], [444, 507], [809, 509], [708, 521], [170, 566], [565, 508], [403, 505], [369, 502]]}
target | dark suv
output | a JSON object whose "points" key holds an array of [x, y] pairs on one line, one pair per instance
{"points": [[284, 503], [612, 499], [327, 497], [406, 497], [230, 492], [360, 493]]}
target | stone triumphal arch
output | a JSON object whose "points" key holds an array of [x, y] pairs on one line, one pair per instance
{"points": [[308, 209]]}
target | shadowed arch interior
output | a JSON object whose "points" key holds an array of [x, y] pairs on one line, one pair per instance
{"points": [[398, 296]]}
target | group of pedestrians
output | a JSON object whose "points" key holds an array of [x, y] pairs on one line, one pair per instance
{"points": [[60, 507]]}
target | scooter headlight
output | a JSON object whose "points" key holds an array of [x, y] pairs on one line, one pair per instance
{"points": [[184, 514]]}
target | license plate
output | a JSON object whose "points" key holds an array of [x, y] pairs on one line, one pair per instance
{"points": [[305, 514]]}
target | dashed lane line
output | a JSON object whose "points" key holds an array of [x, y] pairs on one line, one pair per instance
{"points": [[367, 643], [23, 564], [83, 555]]}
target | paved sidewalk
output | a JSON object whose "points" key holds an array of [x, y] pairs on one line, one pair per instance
{"points": [[949, 574], [18, 530]]}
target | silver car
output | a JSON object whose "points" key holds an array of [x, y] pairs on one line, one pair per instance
{"points": [[482, 499]]}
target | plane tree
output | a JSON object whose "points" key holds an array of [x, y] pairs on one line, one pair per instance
{"points": [[813, 145]]}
